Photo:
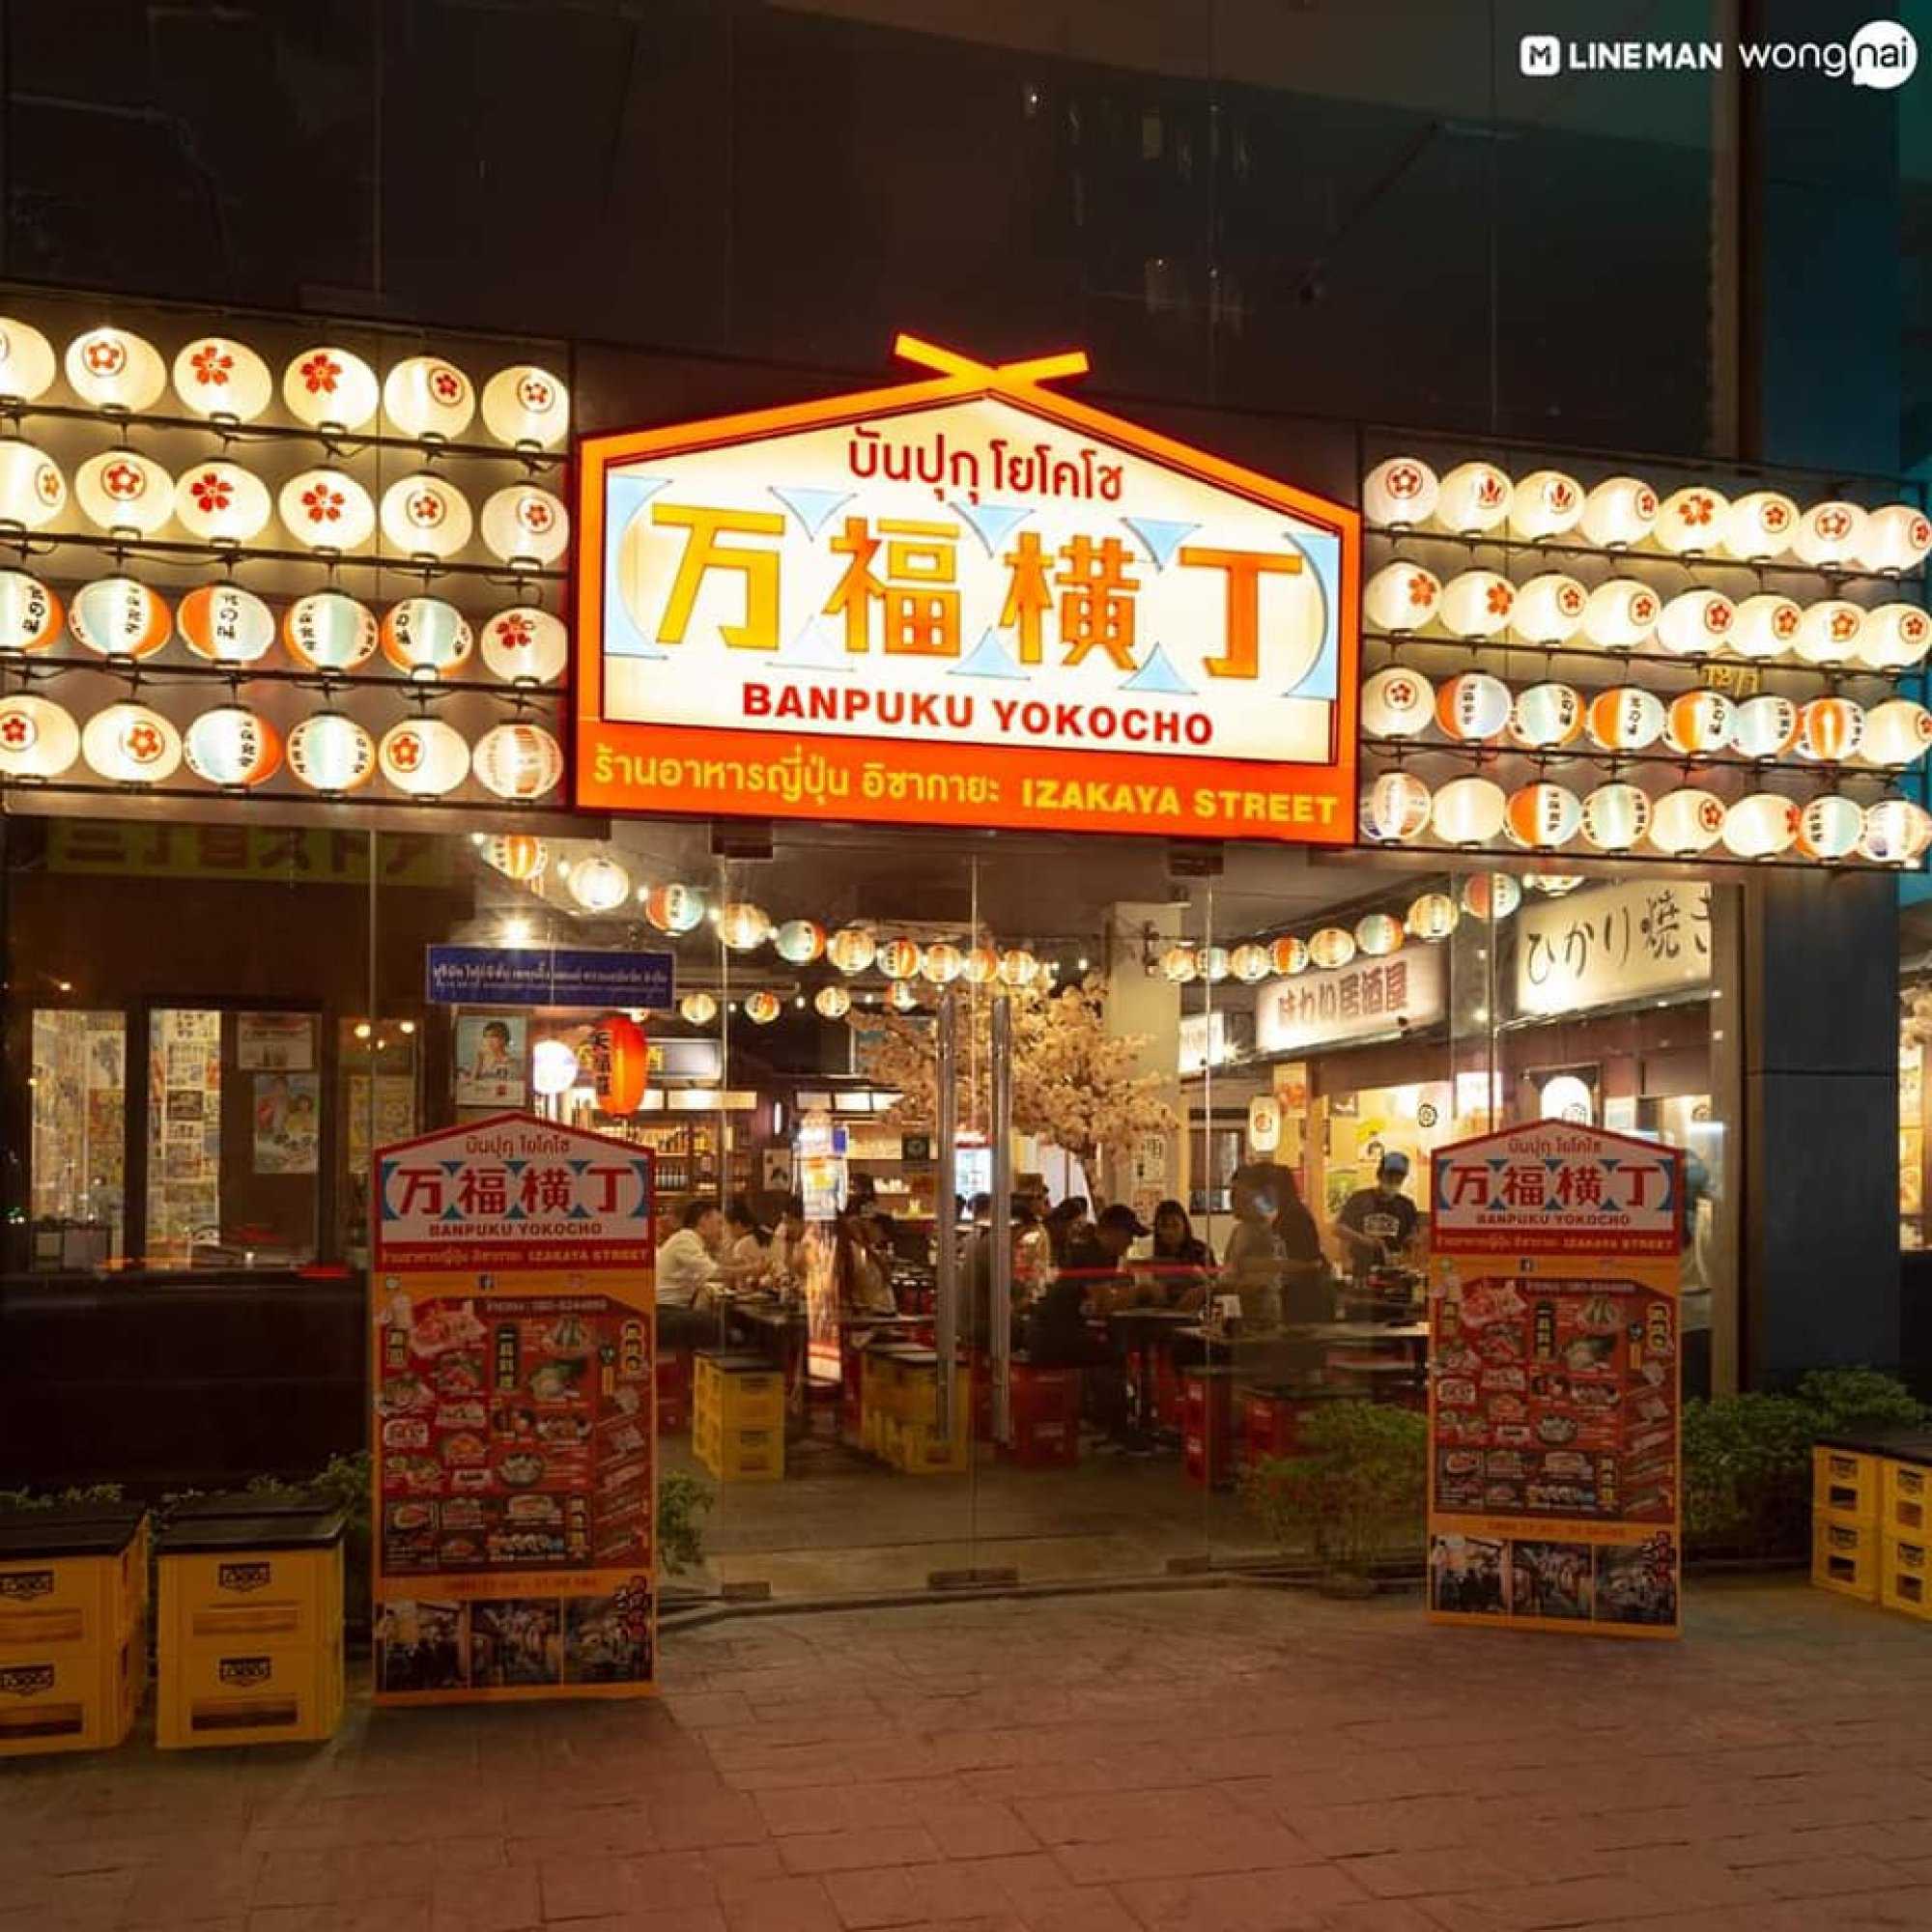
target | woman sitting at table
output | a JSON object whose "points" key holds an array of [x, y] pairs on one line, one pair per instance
{"points": [[741, 1261], [858, 1271], [1179, 1262]]}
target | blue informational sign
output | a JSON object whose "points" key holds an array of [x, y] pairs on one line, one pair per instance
{"points": [[498, 976]]}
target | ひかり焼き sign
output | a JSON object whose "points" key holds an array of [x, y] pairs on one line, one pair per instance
{"points": [[965, 599]]}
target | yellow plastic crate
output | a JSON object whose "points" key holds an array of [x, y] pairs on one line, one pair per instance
{"points": [[916, 1449], [1845, 1484], [64, 1699], [919, 1396], [287, 1599], [1906, 1505], [225, 1696], [1905, 1577], [742, 1455], [69, 1578], [1845, 1558]]}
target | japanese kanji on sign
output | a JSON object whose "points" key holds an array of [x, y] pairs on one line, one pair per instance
{"points": [[512, 1368], [967, 600], [1555, 1478]]}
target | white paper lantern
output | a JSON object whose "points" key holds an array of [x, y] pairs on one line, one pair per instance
{"points": [[26, 362], [1829, 534], [223, 379], [1894, 539], [983, 966], [1766, 626], [1397, 703], [832, 1003], [524, 525], [425, 516], [1761, 525], [698, 1008], [33, 492], [742, 926], [516, 855], [425, 396], [1621, 613], [1402, 597], [1402, 492], [1761, 826], [329, 630], [1897, 832], [1477, 604], [326, 509], [1547, 717], [38, 738], [1331, 947], [1467, 811], [1395, 807], [526, 646], [898, 958], [1624, 719], [599, 884], [329, 388], [1474, 497], [1896, 733], [1548, 608], [518, 760], [555, 1067], [902, 996], [131, 744], [1617, 816], [121, 490], [112, 369], [1830, 827], [1377, 934], [797, 942], [1830, 730], [1178, 965], [330, 753], [1686, 821], [423, 756], [1213, 963], [1431, 917], [1699, 723], [1249, 963], [852, 949], [1018, 967], [30, 614], [526, 406], [1766, 726], [233, 746], [1287, 955], [941, 963], [1473, 707], [119, 617], [1491, 897], [1546, 503], [1543, 817], [1832, 632], [1697, 623], [1263, 1124], [1619, 512], [220, 502], [1895, 636], [1691, 522], [675, 908], [226, 624], [426, 636]]}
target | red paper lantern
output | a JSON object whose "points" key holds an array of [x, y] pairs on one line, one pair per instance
{"points": [[619, 1058]]}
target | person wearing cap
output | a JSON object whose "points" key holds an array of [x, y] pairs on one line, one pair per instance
{"points": [[1377, 1224], [1057, 1334], [1096, 1252]]}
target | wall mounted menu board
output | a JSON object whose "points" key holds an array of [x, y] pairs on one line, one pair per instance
{"points": [[512, 1369], [1554, 1479]]}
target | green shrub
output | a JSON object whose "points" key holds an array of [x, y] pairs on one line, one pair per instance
{"points": [[1859, 1398], [1357, 1489], [1748, 1473], [683, 1502], [87, 1492]]}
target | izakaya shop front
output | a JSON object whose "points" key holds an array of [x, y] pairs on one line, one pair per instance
{"points": [[970, 794]]}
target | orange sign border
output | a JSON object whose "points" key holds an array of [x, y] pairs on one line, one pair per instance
{"points": [[960, 380]]}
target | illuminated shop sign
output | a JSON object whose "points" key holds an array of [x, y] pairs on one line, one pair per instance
{"points": [[966, 600]]}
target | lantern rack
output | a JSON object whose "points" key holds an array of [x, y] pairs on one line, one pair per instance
{"points": [[1499, 859], [275, 794], [1395, 754], [1832, 676], [136, 671]]}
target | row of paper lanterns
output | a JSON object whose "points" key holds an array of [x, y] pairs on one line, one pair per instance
{"points": [[324, 386], [1620, 513], [122, 618], [1399, 809], [422, 516], [231, 746], [1624, 614], [1473, 708]]}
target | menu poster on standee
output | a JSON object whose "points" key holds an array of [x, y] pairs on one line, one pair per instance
{"points": [[513, 1378]]}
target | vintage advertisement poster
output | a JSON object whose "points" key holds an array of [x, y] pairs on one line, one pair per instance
{"points": [[967, 600], [1555, 1482], [512, 1358]]}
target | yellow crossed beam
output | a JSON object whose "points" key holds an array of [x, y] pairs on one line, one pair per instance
{"points": [[1001, 374]]}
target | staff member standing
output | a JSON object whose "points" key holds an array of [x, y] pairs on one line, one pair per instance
{"points": [[687, 1265], [1377, 1224]]}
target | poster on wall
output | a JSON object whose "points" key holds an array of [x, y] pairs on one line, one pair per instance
{"points": [[288, 1112], [512, 1365], [281, 1042], [1554, 1475], [491, 1055]]}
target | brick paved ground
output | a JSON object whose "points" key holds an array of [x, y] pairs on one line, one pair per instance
{"points": [[1234, 1758]]}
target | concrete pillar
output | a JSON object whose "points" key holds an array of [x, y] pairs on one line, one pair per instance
{"points": [[1147, 1004]]}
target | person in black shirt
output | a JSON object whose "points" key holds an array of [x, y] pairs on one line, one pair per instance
{"points": [[1377, 1224]]}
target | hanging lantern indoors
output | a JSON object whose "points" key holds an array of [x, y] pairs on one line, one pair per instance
{"points": [[1249, 963], [620, 1064], [26, 362], [524, 525], [30, 614], [1830, 632], [898, 958], [941, 963], [330, 753], [426, 397], [1287, 955], [423, 756], [1896, 733], [326, 510], [1394, 807], [1548, 608], [1697, 622], [526, 406], [1431, 917], [698, 1008], [555, 1067], [1543, 817], [902, 996], [232, 746], [1018, 967], [1897, 832], [1331, 947], [223, 380], [1397, 703], [983, 966], [852, 949], [1894, 539], [1765, 727], [598, 883], [424, 516], [1619, 512], [1624, 719], [1401, 597], [1895, 636], [1689, 522], [674, 909], [1491, 897], [1699, 723], [33, 492], [1210, 963], [1377, 934], [123, 492], [1828, 536], [1473, 707], [797, 942], [1467, 811], [426, 638], [1830, 827], [526, 646], [131, 744], [112, 369], [38, 738], [1400, 493], [329, 388], [329, 630], [1830, 730], [1546, 503], [1477, 604], [1547, 717], [832, 1003], [516, 855], [1761, 826], [1263, 1124], [221, 502], [1617, 816], [1621, 613], [1765, 625], [1474, 497], [1686, 821], [119, 617], [1760, 525], [742, 926], [518, 761]]}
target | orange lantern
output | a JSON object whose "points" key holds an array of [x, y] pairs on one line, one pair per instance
{"points": [[619, 1064]]}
